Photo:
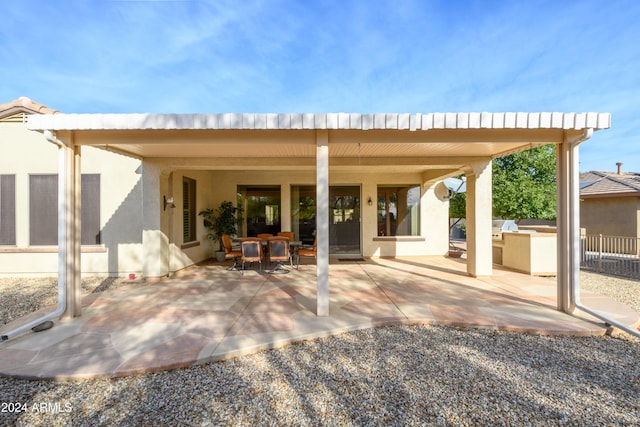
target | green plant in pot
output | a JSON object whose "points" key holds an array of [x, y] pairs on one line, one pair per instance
{"points": [[222, 220]]}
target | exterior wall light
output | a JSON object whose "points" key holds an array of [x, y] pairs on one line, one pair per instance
{"points": [[168, 201]]}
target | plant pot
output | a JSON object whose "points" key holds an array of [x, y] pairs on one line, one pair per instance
{"points": [[455, 254], [220, 256]]}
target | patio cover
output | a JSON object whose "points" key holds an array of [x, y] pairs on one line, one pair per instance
{"points": [[438, 145]]}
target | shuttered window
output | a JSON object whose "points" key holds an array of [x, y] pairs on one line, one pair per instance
{"points": [[43, 209], [91, 209], [188, 209], [7, 209]]}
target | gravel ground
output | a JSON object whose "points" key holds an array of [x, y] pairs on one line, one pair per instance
{"points": [[24, 295], [386, 376]]}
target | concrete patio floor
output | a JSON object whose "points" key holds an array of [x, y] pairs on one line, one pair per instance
{"points": [[207, 313]]}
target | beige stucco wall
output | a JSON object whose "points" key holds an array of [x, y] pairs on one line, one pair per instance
{"points": [[217, 186], [27, 152], [134, 222], [611, 216], [531, 253]]}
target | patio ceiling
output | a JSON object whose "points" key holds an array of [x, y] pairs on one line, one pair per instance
{"points": [[436, 140], [302, 143]]}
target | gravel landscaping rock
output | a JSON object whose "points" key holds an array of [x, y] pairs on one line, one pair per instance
{"points": [[401, 375]]}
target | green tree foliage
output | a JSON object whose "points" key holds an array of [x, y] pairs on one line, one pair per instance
{"points": [[524, 186], [457, 208]]}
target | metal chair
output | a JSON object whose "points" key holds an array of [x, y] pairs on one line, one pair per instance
{"points": [[291, 236], [230, 253], [278, 252], [251, 252], [308, 252]]}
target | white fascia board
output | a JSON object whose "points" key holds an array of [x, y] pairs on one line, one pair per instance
{"points": [[404, 121]]}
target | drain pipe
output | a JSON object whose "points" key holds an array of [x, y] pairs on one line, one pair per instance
{"points": [[45, 322], [575, 237]]}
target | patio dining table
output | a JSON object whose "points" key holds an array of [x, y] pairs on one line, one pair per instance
{"points": [[294, 244]]}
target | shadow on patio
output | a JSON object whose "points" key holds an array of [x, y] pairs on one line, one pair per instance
{"points": [[207, 313]]}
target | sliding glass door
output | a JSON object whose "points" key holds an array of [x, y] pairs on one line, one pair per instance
{"points": [[344, 220], [344, 217], [261, 207]]}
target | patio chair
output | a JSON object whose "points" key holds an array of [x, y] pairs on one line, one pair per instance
{"points": [[264, 236], [292, 250], [279, 251], [251, 252], [288, 234], [308, 252], [230, 252]]}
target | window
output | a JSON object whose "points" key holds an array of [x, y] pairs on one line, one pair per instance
{"points": [[91, 209], [7, 209], [261, 206], [399, 210], [303, 213], [43, 209], [188, 210]]}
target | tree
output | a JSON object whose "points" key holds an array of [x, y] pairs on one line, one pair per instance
{"points": [[524, 186]]}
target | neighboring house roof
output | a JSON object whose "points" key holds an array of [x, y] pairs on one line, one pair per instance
{"points": [[24, 105], [595, 184]]}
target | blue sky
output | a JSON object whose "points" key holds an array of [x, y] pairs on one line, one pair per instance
{"points": [[201, 56]]}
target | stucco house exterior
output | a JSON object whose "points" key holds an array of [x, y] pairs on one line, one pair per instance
{"points": [[111, 196], [610, 203], [373, 181]]}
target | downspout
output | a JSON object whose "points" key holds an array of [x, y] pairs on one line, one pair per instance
{"points": [[575, 237], [43, 322]]}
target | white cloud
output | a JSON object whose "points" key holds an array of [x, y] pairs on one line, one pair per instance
{"points": [[405, 56]]}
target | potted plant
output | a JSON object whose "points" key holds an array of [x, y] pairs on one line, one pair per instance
{"points": [[219, 221]]}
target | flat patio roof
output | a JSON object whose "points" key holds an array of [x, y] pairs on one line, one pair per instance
{"points": [[352, 135]]}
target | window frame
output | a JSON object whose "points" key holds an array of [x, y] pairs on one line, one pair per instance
{"points": [[386, 196]]}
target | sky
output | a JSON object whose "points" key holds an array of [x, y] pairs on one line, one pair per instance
{"points": [[314, 56]]}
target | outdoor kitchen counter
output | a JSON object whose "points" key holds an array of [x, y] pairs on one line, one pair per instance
{"points": [[529, 252]]}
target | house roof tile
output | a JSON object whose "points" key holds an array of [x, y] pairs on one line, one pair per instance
{"points": [[24, 105], [596, 183]]}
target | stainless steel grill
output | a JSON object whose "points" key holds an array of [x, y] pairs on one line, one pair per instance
{"points": [[502, 225]]}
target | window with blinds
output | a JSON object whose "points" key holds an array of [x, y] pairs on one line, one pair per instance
{"points": [[188, 210], [43, 209], [7, 209]]}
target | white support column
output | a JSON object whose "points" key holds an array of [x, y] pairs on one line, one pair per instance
{"points": [[568, 222], [479, 220], [69, 227], [155, 244], [285, 203], [322, 221]]}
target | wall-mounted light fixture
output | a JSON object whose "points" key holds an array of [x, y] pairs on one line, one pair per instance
{"points": [[168, 201], [369, 202]]}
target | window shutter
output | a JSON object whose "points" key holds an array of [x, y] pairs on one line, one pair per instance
{"points": [[43, 210], [90, 209], [188, 210], [7, 209]]}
